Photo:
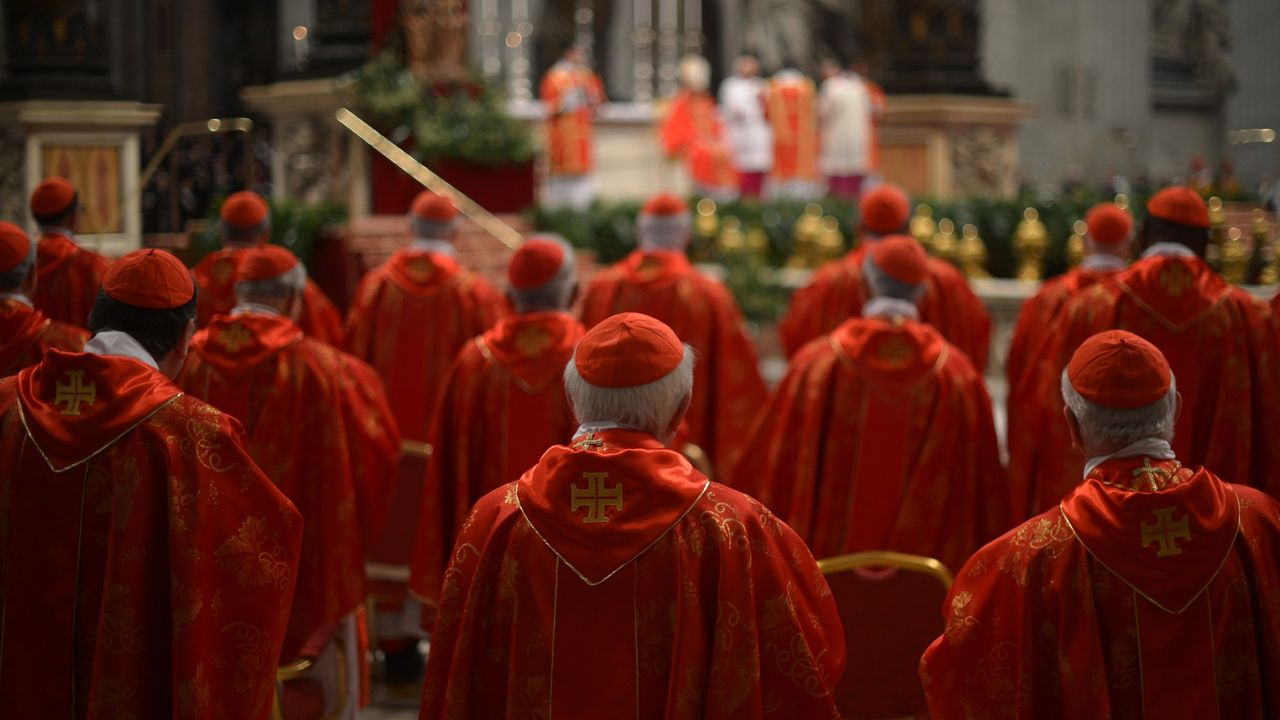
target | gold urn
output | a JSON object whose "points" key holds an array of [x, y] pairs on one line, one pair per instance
{"points": [[972, 253], [1235, 257], [944, 243], [1075, 243], [1030, 245], [804, 238], [922, 226]]}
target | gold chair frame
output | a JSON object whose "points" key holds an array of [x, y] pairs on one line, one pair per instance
{"points": [[887, 558]]}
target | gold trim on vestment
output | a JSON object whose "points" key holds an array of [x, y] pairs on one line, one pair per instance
{"points": [[843, 356], [1165, 321], [23, 418]]}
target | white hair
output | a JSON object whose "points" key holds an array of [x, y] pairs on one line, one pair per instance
{"points": [[881, 285], [648, 407], [664, 232], [283, 285], [555, 293], [239, 236], [11, 280], [694, 72], [1104, 429], [424, 229]]}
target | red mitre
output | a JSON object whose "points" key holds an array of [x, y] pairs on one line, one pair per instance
{"points": [[884, 210], [433, 208], [150, 278], [1117, 369], [265, 263], [52, 196], [901, 258], [536, 262], [1180, 205], [245, 210], [626, 350], [1109, 224], [15, 246], [665, 205]]}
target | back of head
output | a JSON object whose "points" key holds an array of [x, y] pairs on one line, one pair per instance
{"points": [[896, 267], [884, 210], [1110, 229], [664, 223], [631, 371], [1177, 215], [433, 217], [747, 65], [694, 73], [1121, 390], [542, 274], [54, 203], [245, 220], [17, 257], [148, 295], [270, 275]]}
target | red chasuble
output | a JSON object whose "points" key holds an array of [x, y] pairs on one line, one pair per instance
{"points": [[67, 279], [1152, 591], [569, 131], [880, 437], [503, 406], [1222, 346], [146, 564], [727, 388], [691, 129], [838, 291], [615, 580], [216, 276], [410, 318], [318, 425], [26, 333]]}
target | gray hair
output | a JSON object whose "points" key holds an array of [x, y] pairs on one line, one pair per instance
{"points": [[881, 285], [233, 235], [430, 229], [1105, 429], [664, 232], [648, 407], [284, 285], [555, 293], [11, 280]]}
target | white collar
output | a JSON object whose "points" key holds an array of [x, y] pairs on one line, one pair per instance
{"points": [[19, 297], [255, 309], [1168, 249], [440, 247], [595, 427], [1152, 447], [114, 342], [887, 307], [1102, 262]]}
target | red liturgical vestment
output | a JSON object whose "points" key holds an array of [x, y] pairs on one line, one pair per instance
{"points": [[838, 291], [615, 580], [880, 437], [318, 425], [727, 389], [67, 279], [503, 407], [146, 564], [1151, 591], [25, 334]]}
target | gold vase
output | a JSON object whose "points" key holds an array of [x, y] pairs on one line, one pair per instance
{"points": [[1030, 244], [1235, 257], [972, 253], [922, 226], [944, 243], [1075, 243]]}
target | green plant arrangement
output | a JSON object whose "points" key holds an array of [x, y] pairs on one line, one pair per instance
{"points": [[466, 122], [294, 225]]}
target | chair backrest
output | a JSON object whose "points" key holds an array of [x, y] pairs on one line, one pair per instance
{"points": [[890, 604]]}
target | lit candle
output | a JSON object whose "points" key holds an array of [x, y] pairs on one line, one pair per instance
{"points": [[300, 48]]}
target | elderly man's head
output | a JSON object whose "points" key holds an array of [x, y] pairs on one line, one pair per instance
{"points": [[542, 275], [664, 223], [885, 210], [1110, 230], [1118, 389], [433, 217], [1177, 215], [631, 371], [271, 276], [896, 267], [17, 261], [245, 220]]}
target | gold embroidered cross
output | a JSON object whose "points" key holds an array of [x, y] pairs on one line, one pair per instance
{"points": [[234, 337], [1165, 531], [419, 269], [74, 392], [1151, 474], [590, 441], [1175, 279], [532, 340], [595, 497], [895, 352]]}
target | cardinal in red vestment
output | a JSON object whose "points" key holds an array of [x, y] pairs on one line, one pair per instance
{"points": [[1151, 590], [1221, 342], [146, 563], [838, 289], [614, 575], [691, 130], [67, 274], [503, 404], [880, 436], [571, 92], [658, 280], [25, 333], [318, 425], [1033, 365], [246, 223]]}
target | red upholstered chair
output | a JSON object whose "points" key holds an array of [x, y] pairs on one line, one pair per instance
{"points": [[890, 605]]}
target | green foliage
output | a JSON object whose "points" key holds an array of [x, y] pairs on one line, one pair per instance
{"points": [[295, 226], [466, 122]]}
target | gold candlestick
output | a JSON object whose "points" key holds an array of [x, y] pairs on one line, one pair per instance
{"points": [[1235, 257], [972, 253], [922, 226], [944, 243], [1030, 243], [1075, 243]]}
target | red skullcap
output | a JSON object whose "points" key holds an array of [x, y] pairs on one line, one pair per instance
{"points": [[535, 263], [1109, 224], [884, 210], [433, 208], [265, 262], [1180, 205], [665, 205], [149, 278], [245, 210], [52, 196], [15, 246], [901, 258], [1117, 369], [627, 350]]}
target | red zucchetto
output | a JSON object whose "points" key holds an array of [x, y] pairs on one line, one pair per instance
{"points": [[1180, 205], [1109, 224], [665, 205], [15, 246], [433, 208], [626, 350], [265, 262], [245, 210], [900, 258], [52, 196], [1119, 370], [151, 278], [884, 210], [536, 263]]}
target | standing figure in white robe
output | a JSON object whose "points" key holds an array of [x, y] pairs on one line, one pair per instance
{"points": [[748, 132], [845, 113]]}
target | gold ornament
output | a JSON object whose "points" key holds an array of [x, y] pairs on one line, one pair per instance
{"points": [[804, 237], [732, 239], [1235, 257], [972, 253], [944, 243], [830, 243], [922, 227], [1261, 231], [706, 224], [1075, 243], [1122, 201], [1030, 243]]}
